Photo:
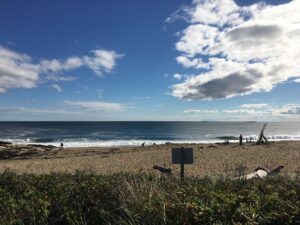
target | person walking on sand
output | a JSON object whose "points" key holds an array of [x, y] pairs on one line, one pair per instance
{"points": [[61, 145]]}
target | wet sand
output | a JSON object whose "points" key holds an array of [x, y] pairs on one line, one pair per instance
{"points": [[209, 159]]}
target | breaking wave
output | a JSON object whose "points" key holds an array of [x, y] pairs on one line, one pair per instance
{"points": [[86, 142]]}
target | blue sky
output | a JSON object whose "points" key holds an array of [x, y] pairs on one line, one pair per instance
{"points": [[149, 60]]}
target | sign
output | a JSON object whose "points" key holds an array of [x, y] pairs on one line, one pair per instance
{"points": [[182, 156]]}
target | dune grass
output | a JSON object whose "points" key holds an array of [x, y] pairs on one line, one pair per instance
{"points": [[87, 198]]}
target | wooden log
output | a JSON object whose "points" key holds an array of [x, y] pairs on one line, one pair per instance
{"points": [[162, 169], [261, 138]]}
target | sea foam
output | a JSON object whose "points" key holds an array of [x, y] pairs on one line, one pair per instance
{"points": [[84, 142]]}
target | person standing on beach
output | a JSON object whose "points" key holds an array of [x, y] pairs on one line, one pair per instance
{"points": [[241, 139], [61, 145]]}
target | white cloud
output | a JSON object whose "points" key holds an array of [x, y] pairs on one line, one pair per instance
{"points": [[59, 78], [247, 49], [18, 71], [284, 111], [215, 12], [254, 106], [241, 111], [297, 80], [57, 87], [177, 76], [180, 14], [191, 63], [290, 109], [97, 106], [100, 61], [254, 111], [196, 111], [34, 110]]}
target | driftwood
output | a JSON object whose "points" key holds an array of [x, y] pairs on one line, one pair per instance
{"points": [[261, 138], [162, 169], [275, 171], [260, 172]]}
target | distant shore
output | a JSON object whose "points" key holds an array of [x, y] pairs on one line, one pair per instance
{"points": [[209, 159]]}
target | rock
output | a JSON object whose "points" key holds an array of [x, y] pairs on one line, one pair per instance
{"points": [[51, 146], [5, 143], [42, 146]]}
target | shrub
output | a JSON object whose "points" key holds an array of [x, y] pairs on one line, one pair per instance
{"points": [[87, 198]]}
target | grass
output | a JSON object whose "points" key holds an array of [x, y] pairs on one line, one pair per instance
{"points": [[88, 198]]}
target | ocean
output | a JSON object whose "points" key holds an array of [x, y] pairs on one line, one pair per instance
{"points": [[107, 134]]}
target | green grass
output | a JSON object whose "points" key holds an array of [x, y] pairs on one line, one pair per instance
{"points": [[87, 198]]}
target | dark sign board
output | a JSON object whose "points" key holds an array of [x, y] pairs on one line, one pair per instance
{"points": [[182, 156]]}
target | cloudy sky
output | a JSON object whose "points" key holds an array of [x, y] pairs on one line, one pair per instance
{"points": [[150, 60]]}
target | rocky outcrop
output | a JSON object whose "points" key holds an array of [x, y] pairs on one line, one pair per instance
{"points": [[11, 151]]}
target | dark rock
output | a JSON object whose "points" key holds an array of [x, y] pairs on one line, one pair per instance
{"points": [[5, 143], [42, 146]]}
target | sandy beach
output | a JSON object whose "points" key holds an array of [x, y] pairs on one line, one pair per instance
{"points": [[209, 159]]}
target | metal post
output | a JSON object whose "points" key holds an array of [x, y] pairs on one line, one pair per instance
{"points": [[182, 171], [182, 163]]}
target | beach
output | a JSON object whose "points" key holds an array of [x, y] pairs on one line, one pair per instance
{"points": [[217, 159]]}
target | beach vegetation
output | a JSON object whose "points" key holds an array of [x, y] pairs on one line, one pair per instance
{"points": [[89, 198]]}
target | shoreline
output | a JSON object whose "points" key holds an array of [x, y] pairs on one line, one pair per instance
{"points": [[209, 159], [137, 143]]}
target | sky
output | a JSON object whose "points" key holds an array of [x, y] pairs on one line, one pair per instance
{"points": [[138, 60]]}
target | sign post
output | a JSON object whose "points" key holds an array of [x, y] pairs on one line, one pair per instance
{"points": [[182, 156]]}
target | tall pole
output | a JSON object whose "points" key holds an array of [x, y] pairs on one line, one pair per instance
{"points": [[182, 163], [182, 171]]}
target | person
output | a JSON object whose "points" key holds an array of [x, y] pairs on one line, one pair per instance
{"points": [[61, 145], [143, 144], [241, 139]]}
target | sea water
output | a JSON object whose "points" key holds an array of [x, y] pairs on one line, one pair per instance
{"points": [[107, 134]]}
